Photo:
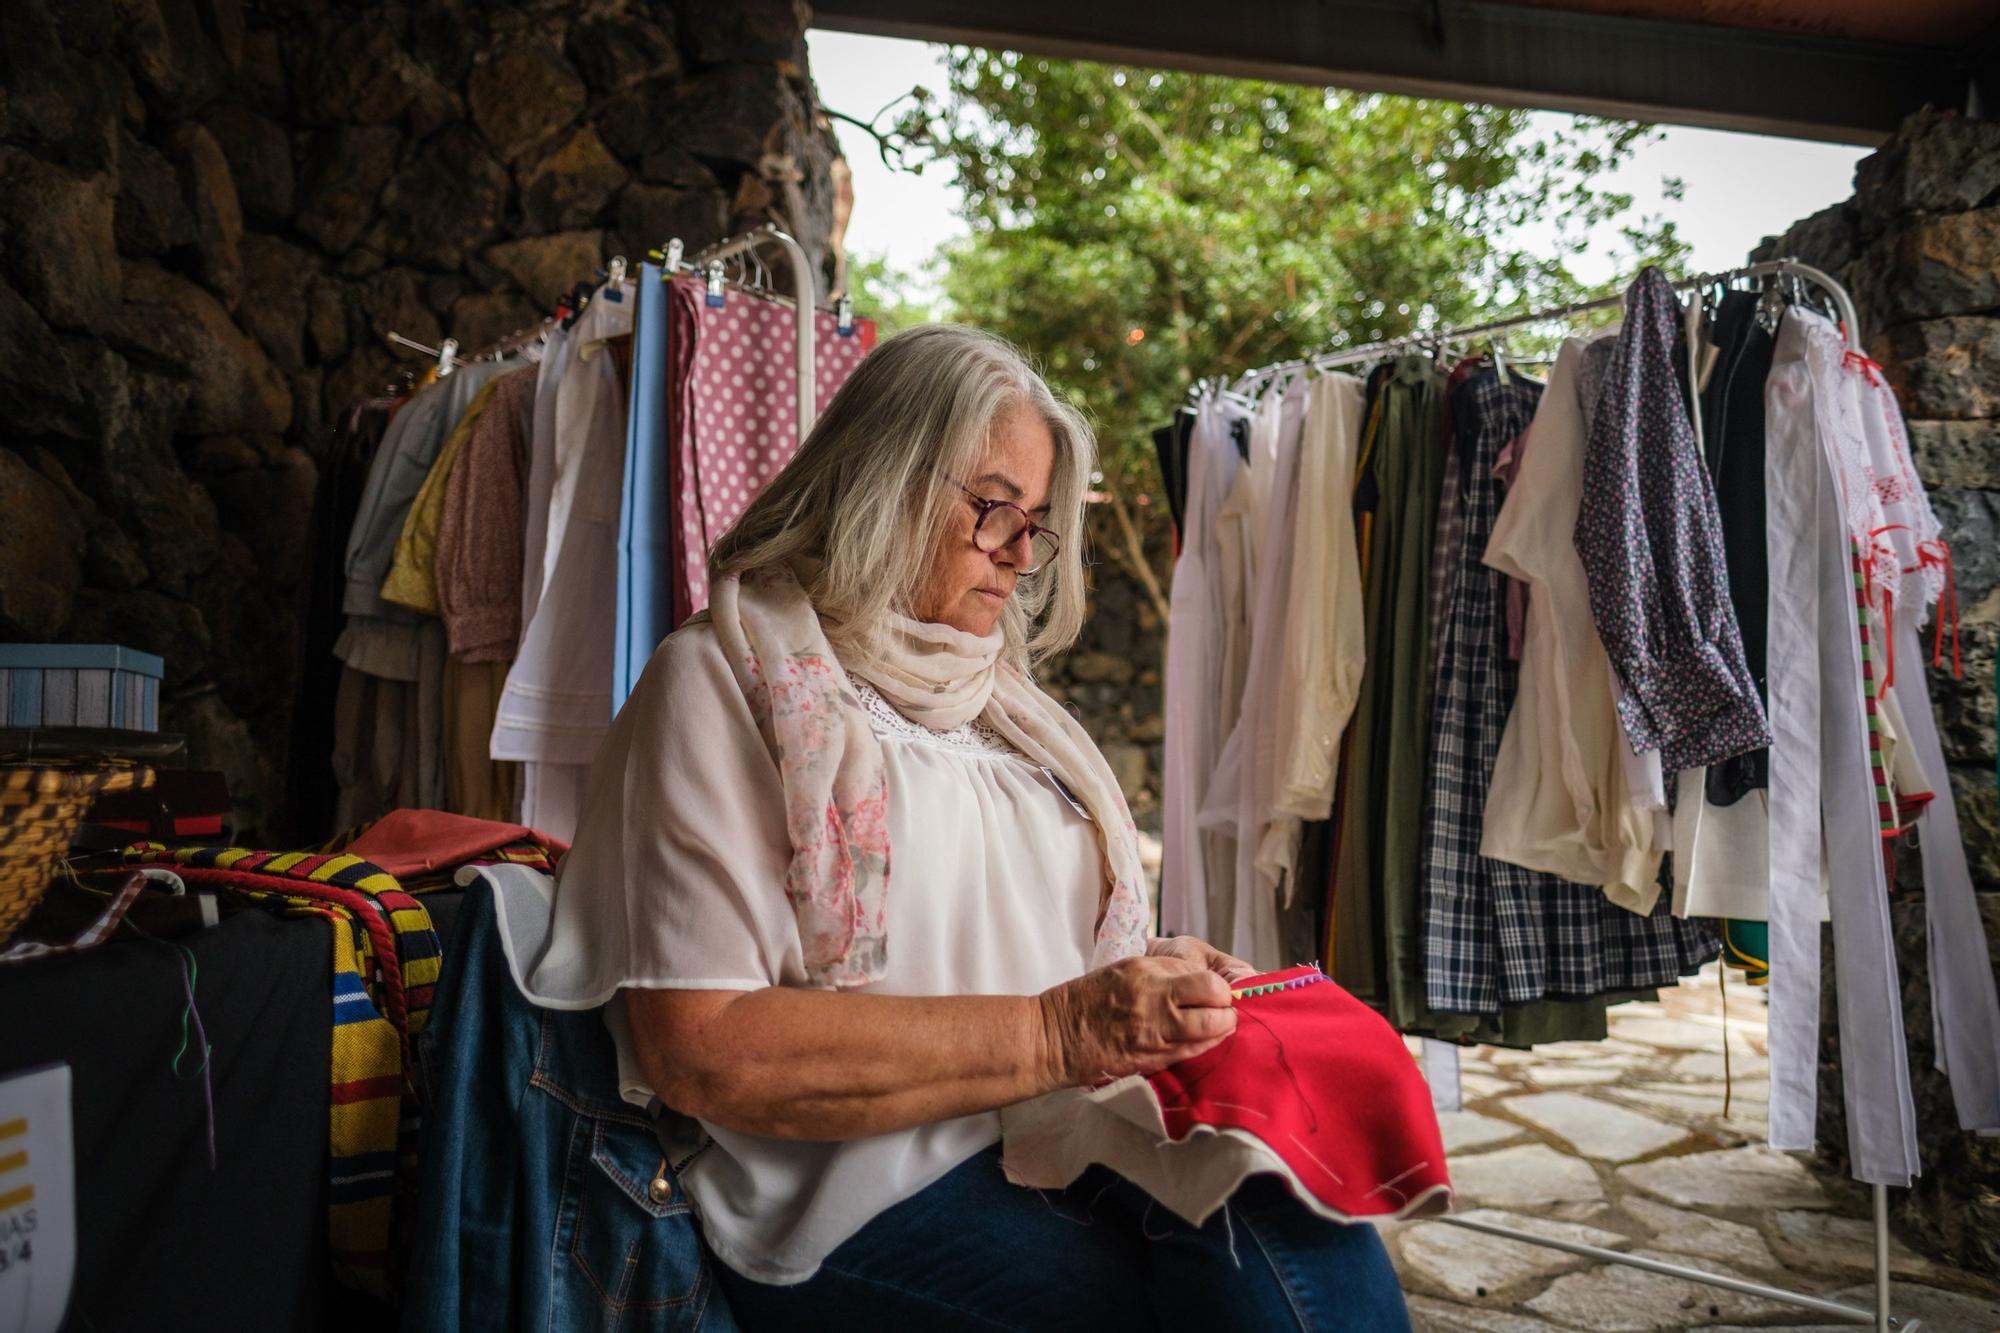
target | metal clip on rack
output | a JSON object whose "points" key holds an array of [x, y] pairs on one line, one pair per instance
{"points": [[447, 354], [1791, 269]]}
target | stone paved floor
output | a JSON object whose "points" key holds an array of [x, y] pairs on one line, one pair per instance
{"points": [[1623, 1144]]}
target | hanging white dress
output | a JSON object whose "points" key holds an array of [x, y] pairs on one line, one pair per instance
{"points": [[1194, 672], [1323, 653]]}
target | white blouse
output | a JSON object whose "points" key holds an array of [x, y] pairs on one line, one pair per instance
{"points": [[676, 882]]}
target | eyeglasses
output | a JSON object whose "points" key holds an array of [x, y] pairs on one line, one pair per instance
{"points": [[1001, 523]]}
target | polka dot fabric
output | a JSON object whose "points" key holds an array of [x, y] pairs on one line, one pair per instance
{"points": [[739, 415]]}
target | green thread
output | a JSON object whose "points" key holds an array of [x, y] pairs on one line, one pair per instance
{"points": [[194, 979]]}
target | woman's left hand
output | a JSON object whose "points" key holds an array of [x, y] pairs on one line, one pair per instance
{"points": [[1203, 954]]}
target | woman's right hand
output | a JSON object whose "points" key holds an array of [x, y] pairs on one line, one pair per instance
{"points": [[1134, 1016]]}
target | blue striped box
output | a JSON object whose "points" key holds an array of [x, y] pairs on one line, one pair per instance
{"points": [[79, 685]]}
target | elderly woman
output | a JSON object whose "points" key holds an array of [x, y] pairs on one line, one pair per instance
{"points": [[857, 883]]}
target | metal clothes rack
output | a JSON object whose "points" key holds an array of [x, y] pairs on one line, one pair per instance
{"points": [[1347, 356], [1880, 1316], [708, 263]]}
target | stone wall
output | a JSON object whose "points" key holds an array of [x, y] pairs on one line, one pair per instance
{"points": [[1919, 248], [211, 214]]}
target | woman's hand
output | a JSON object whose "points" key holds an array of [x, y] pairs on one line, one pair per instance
{"points": [[1202, 953], [1134, 1016]]}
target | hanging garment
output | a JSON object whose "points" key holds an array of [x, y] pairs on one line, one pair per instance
{"points": [[1496, 934], [556, 706], [738, 423], [1413, 401], [1651, 544], [1965, 1011], [541, 475], [1323, 655], [1820, 776], [391, 642], [400, 468], [1733, 421], [1194, 671], [312, 790], [481, 529], [475, 783], [1560, 800], [1255, 935], [645, 547], [1450, 530], [1276, 1098], [411, 581], [1352, 914], [1171, 446]]}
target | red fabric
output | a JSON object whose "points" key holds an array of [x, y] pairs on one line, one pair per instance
{"points": [[1324, 1082], [409, 843]]}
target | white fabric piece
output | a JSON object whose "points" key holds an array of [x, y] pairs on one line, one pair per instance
{"points": [[1251, 927], [1561, 799], [1052, 1140], [556, 705], [1965, 1011], [1323, 652], [1793, 472], [1194, 673], [542, 468], [1874, 1059], [1722, 854], [1965, 1015], [590, 377], [675, 883]]}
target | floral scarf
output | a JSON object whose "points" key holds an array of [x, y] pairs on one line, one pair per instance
{"points": [[836, 788]]}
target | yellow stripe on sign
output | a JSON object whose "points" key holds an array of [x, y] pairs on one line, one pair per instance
{"points": [[13, 1161], [15, 1198], [13, 1129]]}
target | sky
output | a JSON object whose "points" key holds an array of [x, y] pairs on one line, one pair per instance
{"points": [[1739, 188]]}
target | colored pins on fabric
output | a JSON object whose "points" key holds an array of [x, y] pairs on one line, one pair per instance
{"points": [[1311, 978]]}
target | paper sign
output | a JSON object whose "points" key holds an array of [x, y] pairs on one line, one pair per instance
{"points": [[37, 1200]]}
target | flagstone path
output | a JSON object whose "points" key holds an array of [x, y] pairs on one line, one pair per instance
{"points": [[1624, 1144]]}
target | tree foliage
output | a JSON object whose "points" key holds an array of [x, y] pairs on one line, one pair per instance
{"points": [[1133, 229]]}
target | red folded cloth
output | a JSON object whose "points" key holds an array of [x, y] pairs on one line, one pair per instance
{"points": [[1324, 1082], [409, 843]]}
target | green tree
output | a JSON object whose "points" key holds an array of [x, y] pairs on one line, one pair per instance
{"points": [[888, 295], [1134, 228]]}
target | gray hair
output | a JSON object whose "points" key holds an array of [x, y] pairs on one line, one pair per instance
{"points": [[859, 511]]}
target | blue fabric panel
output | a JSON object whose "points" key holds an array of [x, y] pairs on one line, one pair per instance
{"points": [[645, 567]]}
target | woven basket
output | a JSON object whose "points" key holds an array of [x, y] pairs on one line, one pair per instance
{"points": [[42, 802]]}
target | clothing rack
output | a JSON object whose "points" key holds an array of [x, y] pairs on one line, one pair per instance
{"points": [[1880, 1317], [1347, 356]]}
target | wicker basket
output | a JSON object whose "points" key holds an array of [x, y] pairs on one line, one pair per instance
{"points": [[42, 802]]}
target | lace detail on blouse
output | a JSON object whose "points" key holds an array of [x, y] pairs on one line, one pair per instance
{"points": [[975, 737]]}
